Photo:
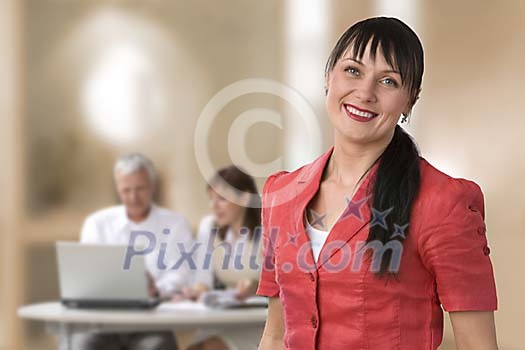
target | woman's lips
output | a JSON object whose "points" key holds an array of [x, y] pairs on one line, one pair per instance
{"points": [[359, 115]]}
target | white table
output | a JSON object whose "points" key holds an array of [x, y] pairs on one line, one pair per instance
{"points": [[64, 322]]}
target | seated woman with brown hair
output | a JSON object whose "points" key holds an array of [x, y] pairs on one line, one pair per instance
{"points": [[229, 255]]}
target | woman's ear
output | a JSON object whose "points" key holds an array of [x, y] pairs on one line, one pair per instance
{"points": [[326, 83], [416, 97], [411, 104]]}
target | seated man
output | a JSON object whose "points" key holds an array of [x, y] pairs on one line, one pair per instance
{"points": [[135, 181]]}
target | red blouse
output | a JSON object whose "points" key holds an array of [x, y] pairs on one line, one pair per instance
{"points": [[339, 303]]}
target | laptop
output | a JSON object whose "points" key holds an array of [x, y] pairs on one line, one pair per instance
{"points": [[92, 276]]}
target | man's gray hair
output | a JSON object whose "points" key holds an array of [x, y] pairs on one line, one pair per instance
{"points": [[133, 162]]}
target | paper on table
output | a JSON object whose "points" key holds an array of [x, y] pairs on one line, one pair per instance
{"points": [[181, 305], [224, 299]]}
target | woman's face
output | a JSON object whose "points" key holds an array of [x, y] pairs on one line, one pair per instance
{"points": [[226, 213], [365, 98]]}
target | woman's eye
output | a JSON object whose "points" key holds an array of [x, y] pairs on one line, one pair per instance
{"points": [[352, 71], [389, 82]]}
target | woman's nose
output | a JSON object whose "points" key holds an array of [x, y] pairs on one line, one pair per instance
{"points": [[365, 91]]}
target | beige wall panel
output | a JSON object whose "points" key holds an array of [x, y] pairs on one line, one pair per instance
{"points": [[11, 177], [469, 123]]}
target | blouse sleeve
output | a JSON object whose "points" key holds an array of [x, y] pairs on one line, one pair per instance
{"points": [[267, 282], [453, 247]]}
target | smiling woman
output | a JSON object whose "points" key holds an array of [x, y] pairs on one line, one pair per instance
{"points": [[420, 231], [383, 71]]}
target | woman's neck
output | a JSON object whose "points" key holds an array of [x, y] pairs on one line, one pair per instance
{"points": [[350, 162], [236, 226]]}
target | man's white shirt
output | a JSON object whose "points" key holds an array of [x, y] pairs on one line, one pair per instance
{"points": [[112, 226]]}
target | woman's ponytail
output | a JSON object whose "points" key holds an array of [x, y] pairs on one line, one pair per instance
{"points": [[395, 187]]}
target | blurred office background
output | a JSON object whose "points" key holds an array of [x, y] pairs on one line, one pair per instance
{"points": [[82, 81]]}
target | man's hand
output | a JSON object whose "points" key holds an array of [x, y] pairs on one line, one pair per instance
{"points": [[246, 288], [193, 293]]}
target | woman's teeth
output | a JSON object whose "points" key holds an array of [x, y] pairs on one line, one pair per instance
{"points": [[359, 113]]}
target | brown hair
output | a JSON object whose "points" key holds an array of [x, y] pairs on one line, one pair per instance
{"points": [[242, 182]]}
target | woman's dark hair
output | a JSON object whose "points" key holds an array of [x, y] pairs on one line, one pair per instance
{"points": [[397, 180], [244, 183]]}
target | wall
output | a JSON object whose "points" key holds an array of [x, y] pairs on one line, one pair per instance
{"points": [[11, 173], [470, 123], [66, 41]]}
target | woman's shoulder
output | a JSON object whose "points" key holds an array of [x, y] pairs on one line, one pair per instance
{"points": [[284, 178], [207, 221], [438, 186], [431, 176], [282, 187], [205, 225]]}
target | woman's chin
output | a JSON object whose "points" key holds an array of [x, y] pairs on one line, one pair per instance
{"points": [[353, 136], [221, 222]]}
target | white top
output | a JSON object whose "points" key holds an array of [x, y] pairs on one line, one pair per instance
{"points": [[317, 238], [244, 261], [112, 226]]}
